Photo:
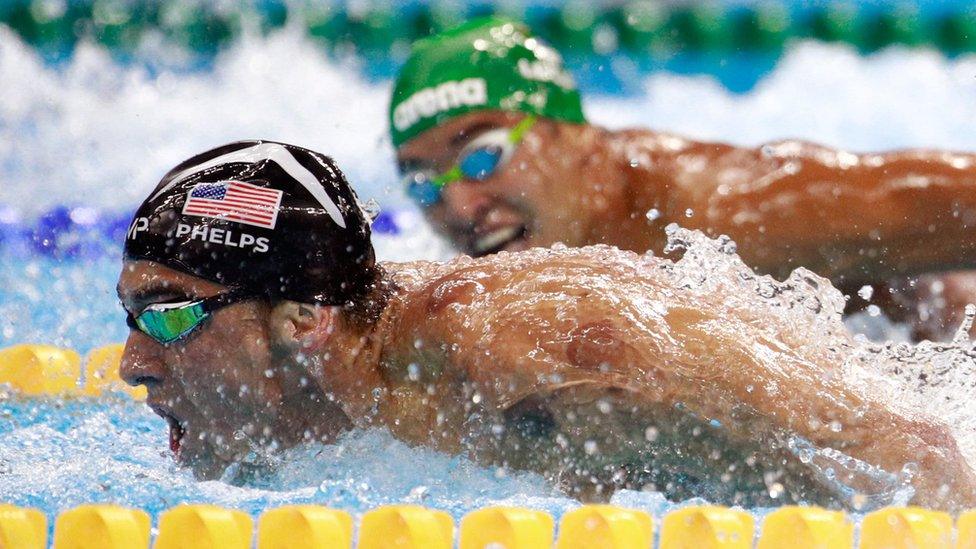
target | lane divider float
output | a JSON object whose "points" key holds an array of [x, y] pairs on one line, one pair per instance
{"points": [[373, 28], [506, 527], [22, 528], [45, 370], [415, 527], [806, 528], [108, 526]]}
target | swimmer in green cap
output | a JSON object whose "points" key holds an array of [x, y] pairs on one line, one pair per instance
{"points": [[492, 143], [259, 320], [483, 65]]}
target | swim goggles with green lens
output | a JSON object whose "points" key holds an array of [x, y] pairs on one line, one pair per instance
{"points": [[478, 160], [169, 322]]}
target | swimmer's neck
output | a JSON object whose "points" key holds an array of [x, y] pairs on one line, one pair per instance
{"points": [[347, 368], [308, 415], [624, 175]]}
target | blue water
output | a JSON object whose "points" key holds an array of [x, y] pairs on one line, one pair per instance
{"points": [[56, 455], [66, 303]]}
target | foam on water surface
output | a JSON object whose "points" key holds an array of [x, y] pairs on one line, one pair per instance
{"points": [[937, 378], [97, 133]]}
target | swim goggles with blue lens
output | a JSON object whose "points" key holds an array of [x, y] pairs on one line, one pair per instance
{"points": [[169, 322], [478, 160]]}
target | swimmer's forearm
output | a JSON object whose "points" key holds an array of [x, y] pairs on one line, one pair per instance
{"points": [[802, 398]]}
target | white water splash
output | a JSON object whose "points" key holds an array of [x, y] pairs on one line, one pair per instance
{"points": [[99, 133], [830, 94], [104, 134], [937, 379], [55, 455]]}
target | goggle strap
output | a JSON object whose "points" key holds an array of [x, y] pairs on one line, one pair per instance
{"points": [[520, 129], [452, 175]]}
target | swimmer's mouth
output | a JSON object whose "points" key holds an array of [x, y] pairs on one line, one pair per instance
{"points": [[499, 239], [176, 432]]}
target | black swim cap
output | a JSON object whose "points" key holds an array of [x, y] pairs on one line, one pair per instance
{"points": [[274, 219]]}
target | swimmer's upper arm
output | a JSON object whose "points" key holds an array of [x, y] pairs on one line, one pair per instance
{"points": [[528, 330], [523, 331], [561, 324]]}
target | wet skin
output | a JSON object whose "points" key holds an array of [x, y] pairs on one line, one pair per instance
{"points": [[856, 219], [569, 347]]}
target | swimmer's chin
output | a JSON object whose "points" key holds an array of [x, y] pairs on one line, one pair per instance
{"points": [[209, 466], [208, 471], [201, 460]]}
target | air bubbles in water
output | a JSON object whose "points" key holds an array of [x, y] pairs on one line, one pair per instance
{"points": [[418, 493]]}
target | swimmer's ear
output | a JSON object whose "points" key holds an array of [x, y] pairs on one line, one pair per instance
{"points": [[301, 325]]}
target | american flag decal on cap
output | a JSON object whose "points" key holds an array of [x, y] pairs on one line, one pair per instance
{"points": [[234, 201]]}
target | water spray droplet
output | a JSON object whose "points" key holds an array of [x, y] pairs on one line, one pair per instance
{"points": [[866, 292]]}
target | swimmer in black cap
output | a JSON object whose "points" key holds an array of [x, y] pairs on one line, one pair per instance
{"points": [[260, 321], [241, 233]]}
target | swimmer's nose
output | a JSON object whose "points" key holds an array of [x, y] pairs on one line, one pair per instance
{"points": [[466, 200], [141, 364]]}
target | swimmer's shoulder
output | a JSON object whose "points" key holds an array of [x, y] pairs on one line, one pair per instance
{"points": [[479, 281], [659, 146]]}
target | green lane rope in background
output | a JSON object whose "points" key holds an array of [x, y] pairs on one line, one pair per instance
{"points": [[641, 28]]}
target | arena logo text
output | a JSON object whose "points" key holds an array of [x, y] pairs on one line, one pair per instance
{"points": [[430, 101]]}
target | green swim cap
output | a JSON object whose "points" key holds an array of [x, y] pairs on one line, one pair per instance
{"points": [[485, 64]]}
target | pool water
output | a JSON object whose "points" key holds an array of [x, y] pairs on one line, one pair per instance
{"points": [[96, 134]]}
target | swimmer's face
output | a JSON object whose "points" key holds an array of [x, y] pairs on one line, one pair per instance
{"points": [[222, 388], [532, 200]]}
